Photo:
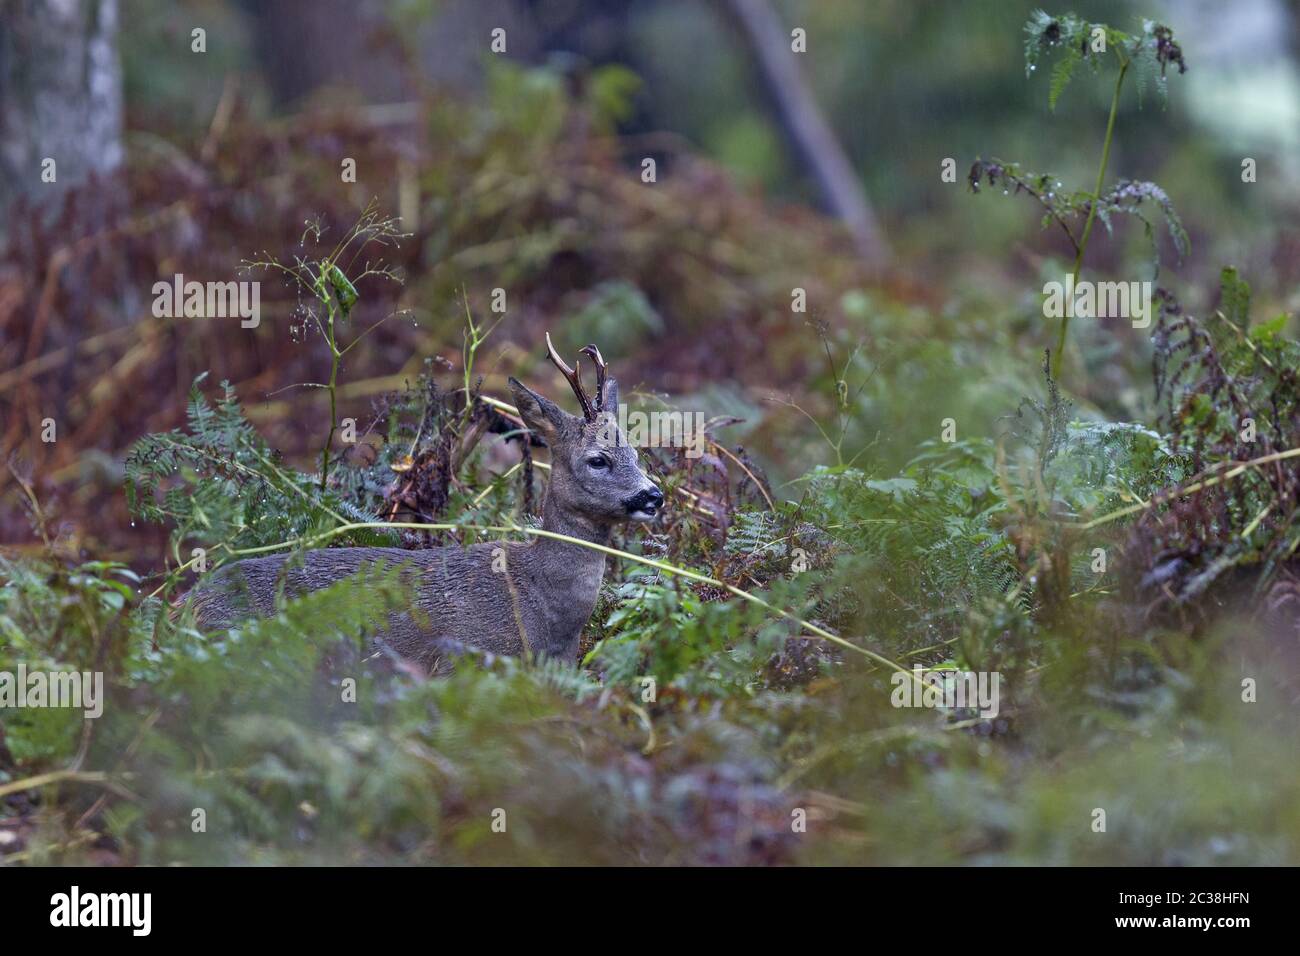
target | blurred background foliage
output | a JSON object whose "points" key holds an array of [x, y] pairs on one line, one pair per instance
{"points": [[903, 84]]}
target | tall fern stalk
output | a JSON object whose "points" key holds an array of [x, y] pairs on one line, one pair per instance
{"points": [[332, 387], [1075, 42], [332, 281], [1092, 210]]}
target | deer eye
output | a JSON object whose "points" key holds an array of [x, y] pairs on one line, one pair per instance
{"points": [[598, 462]]}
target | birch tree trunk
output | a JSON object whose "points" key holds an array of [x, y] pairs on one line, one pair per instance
{"points": [[60, 96]]}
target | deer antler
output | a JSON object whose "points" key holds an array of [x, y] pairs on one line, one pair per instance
{"points": [[575, 382], [594, 354]]}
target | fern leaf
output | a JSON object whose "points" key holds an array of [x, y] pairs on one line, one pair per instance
{"points": [[1061, 74]]}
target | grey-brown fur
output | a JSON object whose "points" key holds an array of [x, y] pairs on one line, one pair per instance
{"points": [[542, 598]]}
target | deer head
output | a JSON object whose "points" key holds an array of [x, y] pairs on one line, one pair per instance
{"points": [[595, 474]]}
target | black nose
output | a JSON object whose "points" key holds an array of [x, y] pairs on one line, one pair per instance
{"points": [[647, 499]]}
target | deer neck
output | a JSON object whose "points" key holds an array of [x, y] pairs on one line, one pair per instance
{"points": [[573, 572], [558, 520]]}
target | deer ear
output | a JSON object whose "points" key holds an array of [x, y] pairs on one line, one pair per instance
{"points": [[610, 404], [540, 414]]}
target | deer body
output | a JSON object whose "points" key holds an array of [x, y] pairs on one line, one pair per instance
{"points": [[502, 597]]}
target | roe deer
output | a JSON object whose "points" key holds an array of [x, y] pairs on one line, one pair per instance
{"points": [[501, 597]]}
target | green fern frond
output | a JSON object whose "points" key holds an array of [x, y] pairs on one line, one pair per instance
{"points": [[1061, 74]]}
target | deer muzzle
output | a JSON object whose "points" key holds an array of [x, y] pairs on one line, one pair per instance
{"points": [[645, 504]]}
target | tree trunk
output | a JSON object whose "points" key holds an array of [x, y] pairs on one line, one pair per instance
{"points": [[805, 126], [60, 96], [308, 44]]}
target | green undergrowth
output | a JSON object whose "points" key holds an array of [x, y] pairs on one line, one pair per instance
{"points": [[700, 727]]}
